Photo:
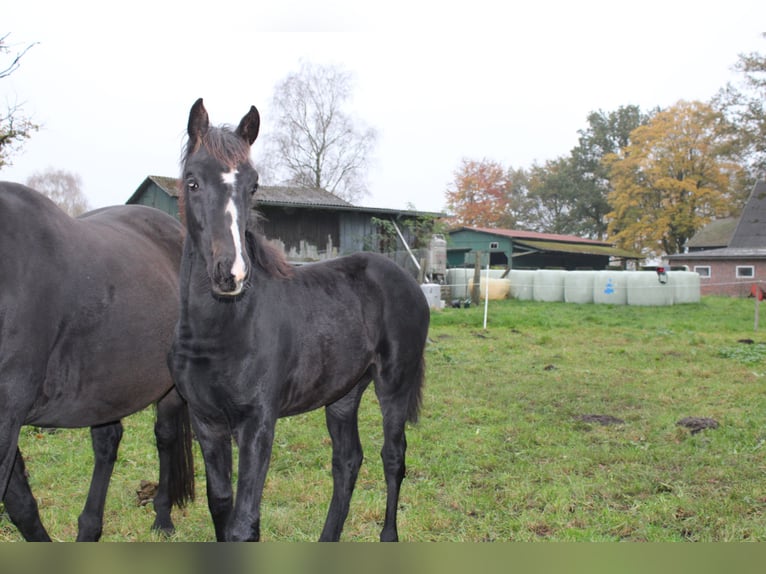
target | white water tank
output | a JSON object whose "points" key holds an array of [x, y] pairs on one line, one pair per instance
{"points": [[610, 287], [549, 285], [437, 256], [494, 288], [578, 287], [458, 280], [522, 284], [645, 288], [432, 292], [686, 286]]}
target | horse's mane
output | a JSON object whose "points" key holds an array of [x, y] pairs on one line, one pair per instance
{"points": [[264, 254]]}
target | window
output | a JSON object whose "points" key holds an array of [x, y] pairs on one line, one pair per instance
{"points": [[494, 245], [703, 271], [745, 271]]}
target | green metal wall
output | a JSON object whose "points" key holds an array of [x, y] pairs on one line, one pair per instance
{"points": [[155, 197]]}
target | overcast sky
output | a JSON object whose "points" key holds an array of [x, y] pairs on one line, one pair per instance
{"points": [[111, 83]]}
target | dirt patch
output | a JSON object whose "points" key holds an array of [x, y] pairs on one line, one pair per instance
{"points": [[697, 424], [146, 492]]}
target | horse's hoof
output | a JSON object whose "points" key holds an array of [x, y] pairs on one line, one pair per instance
{"points": [[164, 529]]}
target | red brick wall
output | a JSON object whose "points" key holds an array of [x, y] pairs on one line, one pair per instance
{"points": [[723, 275]]}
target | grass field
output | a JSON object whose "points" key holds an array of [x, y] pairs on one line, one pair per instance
{"points": [[558, 422]]}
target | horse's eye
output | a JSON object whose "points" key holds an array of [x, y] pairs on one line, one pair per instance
{"points": [[254, 189], [192, 185]]}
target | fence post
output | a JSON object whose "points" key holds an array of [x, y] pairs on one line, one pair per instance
{"points": [[476, 279]]}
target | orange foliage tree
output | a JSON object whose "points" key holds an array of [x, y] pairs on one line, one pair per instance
{"points": [[484, 194]]}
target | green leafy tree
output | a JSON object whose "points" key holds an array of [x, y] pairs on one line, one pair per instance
{"points": [[551, 197], [671, 179]]}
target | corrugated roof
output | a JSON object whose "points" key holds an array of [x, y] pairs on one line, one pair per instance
{"points": [[298, 196], [583, 248], [270, 194], [534, 235]]}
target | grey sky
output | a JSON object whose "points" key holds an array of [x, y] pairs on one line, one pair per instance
{"points": [[440, 81]]}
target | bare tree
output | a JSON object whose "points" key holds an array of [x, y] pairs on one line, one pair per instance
{"points": [[315, 142], [63, 187], [14, 126]]}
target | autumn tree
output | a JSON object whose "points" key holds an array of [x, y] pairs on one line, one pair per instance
{"points": [[670, 180], [15, 127], [607, 133], [569, 194], [315, 141], [64, 188], [485, 194]]}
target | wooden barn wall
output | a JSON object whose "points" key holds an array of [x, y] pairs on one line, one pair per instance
{"points": [[292, 226], [356, 231]]}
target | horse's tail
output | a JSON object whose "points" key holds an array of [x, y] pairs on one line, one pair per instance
{"points": [[416, 393], [181, 471]]}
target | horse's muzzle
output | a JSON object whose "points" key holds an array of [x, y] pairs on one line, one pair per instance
{"points": [[225, 282]]}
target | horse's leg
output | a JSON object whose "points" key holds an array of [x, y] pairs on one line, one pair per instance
{"points": [[255, 438], [215, 443], [347, 456], [21, 505], [394, 401], [176, 482], [106, 440]]}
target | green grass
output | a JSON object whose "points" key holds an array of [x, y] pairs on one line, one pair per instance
{"points": [[502, 451]]}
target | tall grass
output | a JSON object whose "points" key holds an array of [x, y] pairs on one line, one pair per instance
{"points": [[557, 422]]}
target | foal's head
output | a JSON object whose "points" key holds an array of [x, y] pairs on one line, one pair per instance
{"points": [[218, 181]]}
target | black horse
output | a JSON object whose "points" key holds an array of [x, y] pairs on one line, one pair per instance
{"points": [[258, 340], [87, 311]]}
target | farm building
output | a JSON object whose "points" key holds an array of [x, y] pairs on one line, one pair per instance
{"points": [[516, 249], [313, 224], [730, 254]]}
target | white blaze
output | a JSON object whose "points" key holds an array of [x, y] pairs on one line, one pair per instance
{"points": [[229, 177], [239, 268]]}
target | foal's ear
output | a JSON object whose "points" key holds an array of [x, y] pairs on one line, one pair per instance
{"points": [[249, 126], [198, 121]]}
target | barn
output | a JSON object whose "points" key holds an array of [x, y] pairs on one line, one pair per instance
{"points": [[313, 224], [518, 249], [730, 254]]}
